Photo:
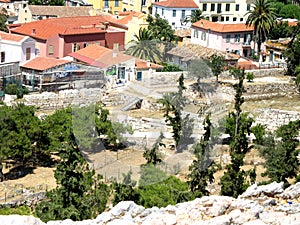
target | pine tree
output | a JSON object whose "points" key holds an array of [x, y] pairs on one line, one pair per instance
{"points": [[202, 168], [80, 194], [238, 124]]}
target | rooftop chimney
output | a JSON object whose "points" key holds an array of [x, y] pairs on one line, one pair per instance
{"points": [[148, 63]]}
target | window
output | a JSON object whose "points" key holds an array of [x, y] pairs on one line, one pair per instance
{"points": [[183, 14], [143, 2], [237, 38], [247, 39], [155, 10], [222, 18], [227, 18], [241, 19], [174, 13], [28, 53], [234, 19], [173, 24], [204, 7], [237, 7], [203, 36], [75, 47], [85, 44], [196, 34], [212, 7], [227, 38], [219, 8], [2, 57], [162, 11], [227, 8], [50, 49], [117, 3], [116, 46], [106, 3], [248, 7]]}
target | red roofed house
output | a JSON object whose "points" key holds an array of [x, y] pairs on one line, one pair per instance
{"points": [[15, 50], [144, 69], [114, 63], [175, 11], [57, 37], [229, 37], [46, 73]]}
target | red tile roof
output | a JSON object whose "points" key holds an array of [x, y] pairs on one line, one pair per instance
{"points": [[142, 64], [99, 56], [44, 63], [44, 29], [222, 27], [125, 18], [177, 4], [11, 37]]}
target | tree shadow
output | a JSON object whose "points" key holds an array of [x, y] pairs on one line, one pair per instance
{"points": [[19, 172]]}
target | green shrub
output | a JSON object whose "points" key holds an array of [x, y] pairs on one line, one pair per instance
{"points": [[20, 210], [259, 132], [11, 89], [249, 77]]}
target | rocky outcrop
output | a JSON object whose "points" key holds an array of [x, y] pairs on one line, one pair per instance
{"points": [[259, 205]]}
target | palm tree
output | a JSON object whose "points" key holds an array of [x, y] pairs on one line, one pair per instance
{"points": [[145, 46], [196, 16], [262, 17]]}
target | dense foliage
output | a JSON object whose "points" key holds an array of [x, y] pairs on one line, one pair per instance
{"points": [[217, 65], [292, 53], [280, 151], [47, 2], [3, 20], [23, 138]]}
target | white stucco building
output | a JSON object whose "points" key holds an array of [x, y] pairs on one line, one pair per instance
{"points": [[175, 11], [225, 10], [16, 48]]}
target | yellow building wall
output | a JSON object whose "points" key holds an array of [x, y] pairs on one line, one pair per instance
{"points": [[132, 5], [134, 26], [99, 4]]}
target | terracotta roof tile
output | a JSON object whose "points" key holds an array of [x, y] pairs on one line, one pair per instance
{"points": [[47, 28], [60, 11], [222, 27], [183, 33], [11, 37], [177, 4], [142, 64], [44, 63], [193, 51], [100, 56]]}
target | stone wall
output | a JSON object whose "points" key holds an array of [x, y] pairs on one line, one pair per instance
{"points": [[274, 118]]}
